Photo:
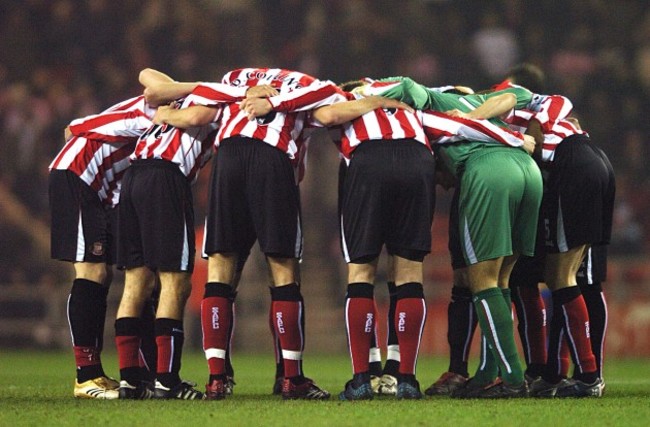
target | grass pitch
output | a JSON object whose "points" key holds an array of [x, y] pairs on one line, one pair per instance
{"points": [[37, 391]]}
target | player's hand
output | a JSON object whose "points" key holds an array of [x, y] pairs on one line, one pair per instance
{"points": [[464, 89], [161, 114], [261, 91], [394, 103], [67, 134], [457, 113], [255, 107], [574, 121], [529, 144]]}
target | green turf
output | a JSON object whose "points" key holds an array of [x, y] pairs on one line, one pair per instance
{"points": [[37, 391]]}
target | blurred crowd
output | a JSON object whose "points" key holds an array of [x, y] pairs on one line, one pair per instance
{"points": [[63, 59]]}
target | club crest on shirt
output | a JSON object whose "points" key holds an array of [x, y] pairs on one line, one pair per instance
{"points": [[98, 249]]}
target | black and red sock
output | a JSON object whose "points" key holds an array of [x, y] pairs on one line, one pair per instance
{"points": [[216, 324], [462, 321], [531, 317], [86, 314], [410, 315], [169, 339], [287, 307], [127, 341]]}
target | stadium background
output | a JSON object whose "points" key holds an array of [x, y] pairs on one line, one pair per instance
{"points": [[62, 59]]}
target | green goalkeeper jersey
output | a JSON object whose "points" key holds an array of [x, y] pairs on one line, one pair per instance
{"points": [[421, 97]]}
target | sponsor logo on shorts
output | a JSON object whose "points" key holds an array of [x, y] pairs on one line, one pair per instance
{"points": [[587, 329], [98, 249]]}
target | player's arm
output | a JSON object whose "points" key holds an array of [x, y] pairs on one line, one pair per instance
{"points": [[212, 94], [160, 89], [534, 130], [114, 125], [494, 106], [317, 94], [574, 121], [444, 129], [193, 116], [525, 98], [343, 112], [403, 89]]}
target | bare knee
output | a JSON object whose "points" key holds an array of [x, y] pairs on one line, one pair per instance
{"points": [[283, 271], [97, 272]]}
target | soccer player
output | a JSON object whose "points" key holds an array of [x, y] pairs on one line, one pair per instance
{"points": [[578, 171], [254, 196], [361, 246], [389, 186], [84, 189], [385, 381], [497, 221], [461, 316], [156, 225]]}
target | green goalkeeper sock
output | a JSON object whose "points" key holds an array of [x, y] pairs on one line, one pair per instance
{"points": [[488, 368], [495, 317]]}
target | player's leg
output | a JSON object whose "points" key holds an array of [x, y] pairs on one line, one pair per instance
{"points": [[494, 313], [387, 381], [531, 312], [80, 234], [410, 316], [274, 204], [287, 306], [138, 285], [492, 230], [86, 311], [216, 320], [572, 228], [374, 359], [226, 236], [360, 318], [148, 347], [175, 288], [230, 370], [461, 316], [161, 197], [591, 275], [569, 318]]}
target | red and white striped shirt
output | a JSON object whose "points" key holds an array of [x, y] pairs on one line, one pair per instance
{"points": [[427, 127], [189, 148], [282, 128], [101, 164], [441, 128], [379, 124], [551, 113]]}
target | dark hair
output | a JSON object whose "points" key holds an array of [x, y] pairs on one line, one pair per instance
{"points": [[529, 76], [350, 85]]}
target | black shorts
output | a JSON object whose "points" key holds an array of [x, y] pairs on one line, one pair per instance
{"points": [[594, 267], [453, 244], [388, 199], [253, 196], [529, 271], [579, 196], [156, 218], [81, 225]]}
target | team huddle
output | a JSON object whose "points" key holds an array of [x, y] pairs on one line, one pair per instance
{"points": [[533, 203]]}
